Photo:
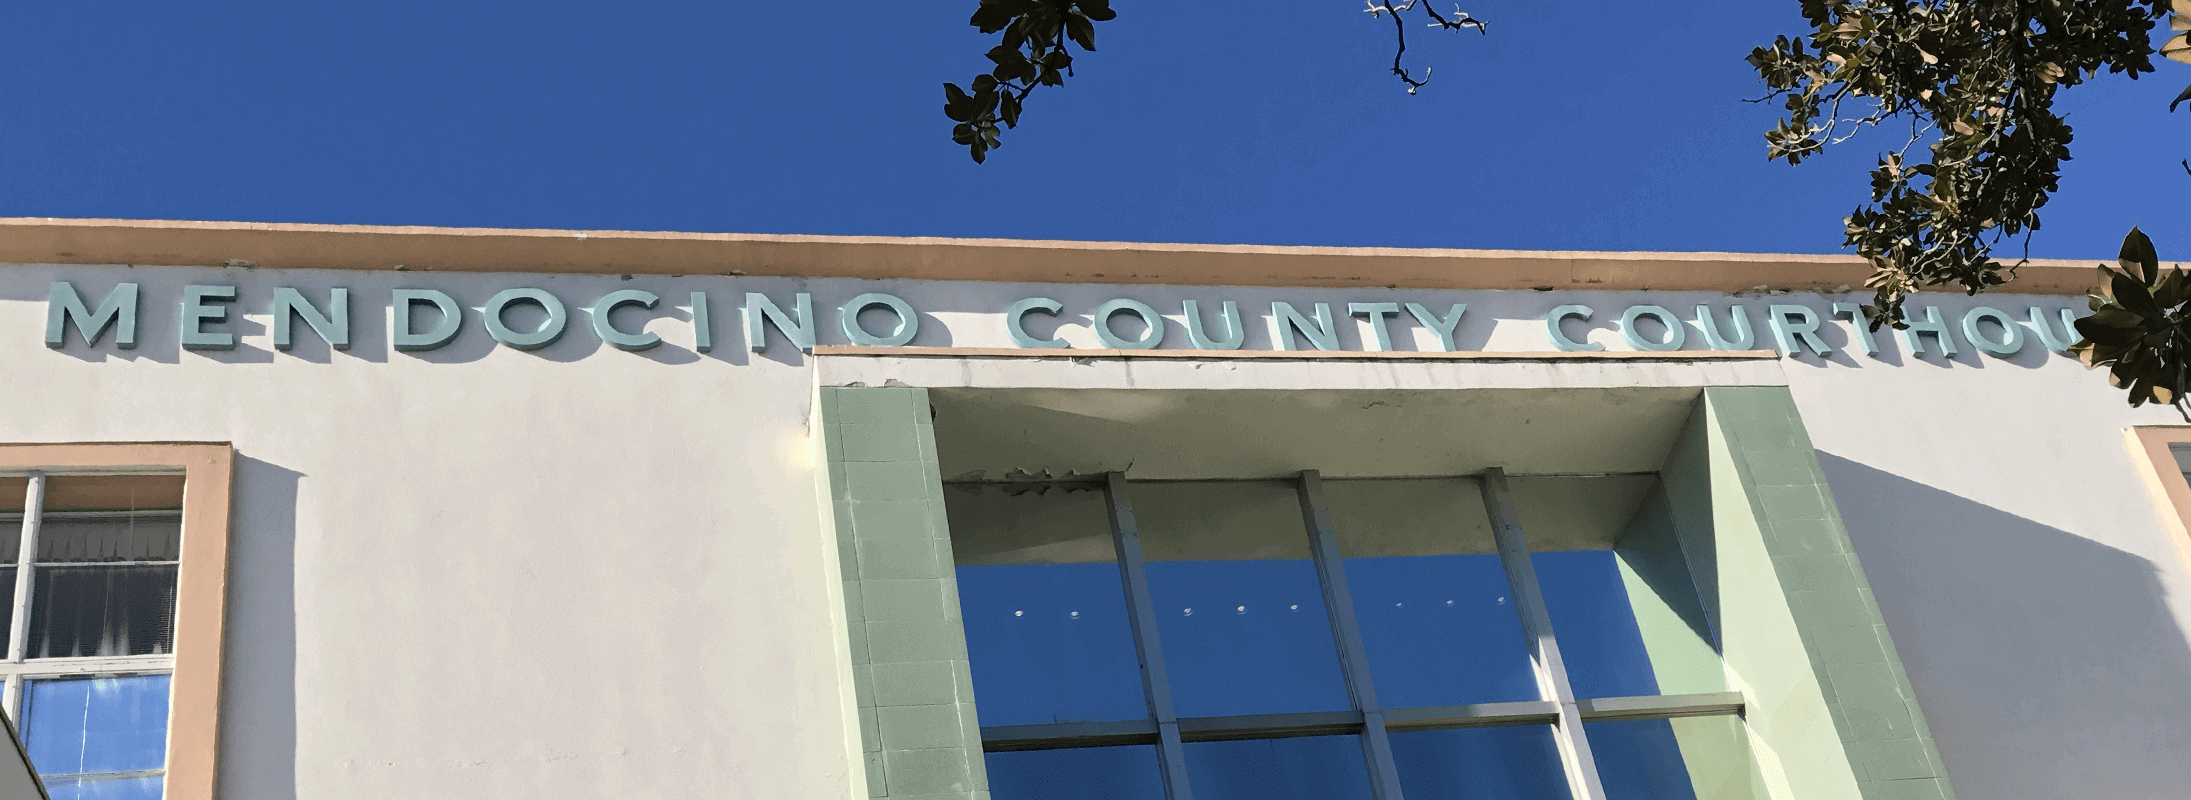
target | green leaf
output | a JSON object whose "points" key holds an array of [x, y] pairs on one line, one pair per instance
{"points": [[956, 104], [1082, 31], [1100, 10], [2137, 257]]}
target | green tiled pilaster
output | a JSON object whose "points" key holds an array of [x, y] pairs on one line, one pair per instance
{"points": [[913, 688], [1756, 439]]}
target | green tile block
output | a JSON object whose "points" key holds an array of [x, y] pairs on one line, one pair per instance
{"points": [[1893, 759], [924, 438], [1830, 609], [920, 683], [962, 680], [871, 442], [832, 443], [1781, 502], [863, 685], [1864, 683], [878, 780], [853, 609], [898, 558], [857, 634], [920, 727], [904, 599], [876, 405], [900, 641], [1781, 467], [870, 731], [886, 480], [894, 519], [1748, 402], [1819, 573], [915, 772], [1789, 537], [1841, 724], [1848, 645], [1876, 721], [1909, 789]]}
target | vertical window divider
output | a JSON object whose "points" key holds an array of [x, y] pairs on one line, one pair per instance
{"points": [[34, 503], [1544, 651], [1171, 752], [1384, 777]]}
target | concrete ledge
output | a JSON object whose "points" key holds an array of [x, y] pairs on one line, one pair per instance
{"points": [[1298, 355], [28, 240]]}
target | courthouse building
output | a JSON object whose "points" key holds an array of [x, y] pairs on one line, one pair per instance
{"points": [[335, 512]]}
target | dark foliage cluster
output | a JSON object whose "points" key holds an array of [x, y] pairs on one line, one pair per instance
{"points": [[1032, 53], [2140, 328], [1976, 82]]}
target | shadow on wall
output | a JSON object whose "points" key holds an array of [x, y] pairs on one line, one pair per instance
{"points": [[2046, 663], [258, 752]]}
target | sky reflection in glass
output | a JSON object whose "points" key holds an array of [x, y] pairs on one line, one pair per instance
{"points": [[96, 724], [144, 788], [1502, 763], [1429, 593], [1084, 773], [1639, 760], [1044, 609], [1049, 643], [1595, 624], [1304, 768], [1237, 601]]}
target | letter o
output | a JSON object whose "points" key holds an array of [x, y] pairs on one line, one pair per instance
{"points": [[2012, 334], [1676, 333], [848, 317], [1149, 338], [551, 330]]}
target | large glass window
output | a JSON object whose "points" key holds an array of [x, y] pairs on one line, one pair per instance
{"points": [[88, 571], [1322, 638]]}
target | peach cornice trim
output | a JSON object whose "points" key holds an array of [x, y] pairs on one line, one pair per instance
{"points": [[32, 240]]}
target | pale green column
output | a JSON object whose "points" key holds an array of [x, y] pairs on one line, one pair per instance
{"points": [[914, 688], [1830, 712]]}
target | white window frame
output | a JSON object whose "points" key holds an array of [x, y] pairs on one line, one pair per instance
{"points": [[17, 668]]}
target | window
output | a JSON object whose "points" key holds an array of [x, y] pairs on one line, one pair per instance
{"points": [[89, 568], [113, 566], [1359, 638]]}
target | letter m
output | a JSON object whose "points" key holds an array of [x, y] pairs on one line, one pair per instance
{"points": [[117, 310]]}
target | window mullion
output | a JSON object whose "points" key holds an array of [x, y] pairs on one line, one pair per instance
{"points": [[1544, 651], [1384, 777], [1171, 752], [34, 501]]}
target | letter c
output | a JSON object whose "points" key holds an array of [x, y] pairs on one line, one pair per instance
{"points": [[1559, 339], [608, 332], [1014, 316]]}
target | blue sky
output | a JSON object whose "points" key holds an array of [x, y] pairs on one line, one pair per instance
{"points": [[1259, 123]]}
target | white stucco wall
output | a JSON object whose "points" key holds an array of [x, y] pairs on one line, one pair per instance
{"points": [[579, 572]]}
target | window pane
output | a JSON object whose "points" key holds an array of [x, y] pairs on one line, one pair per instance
{"points": [[1598, 637], [1045, 613], [1236, 597], [1305, 768], [118, 538], [105, 724], [102, 611], [11, 538], [146, 787], [1674, 759], [1518, 762], [1430, 593], [7, 604], [1084, 773]]}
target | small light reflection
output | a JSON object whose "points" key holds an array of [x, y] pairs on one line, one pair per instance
{"points": [[1294, 607], [1076, 615], [1187, 612], [1019, 613], [1240, 610]]}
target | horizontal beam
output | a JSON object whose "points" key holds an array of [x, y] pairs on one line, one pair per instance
{"points": [[1333, 723], [35, 240], [1663, 706], [1298, 355]]}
